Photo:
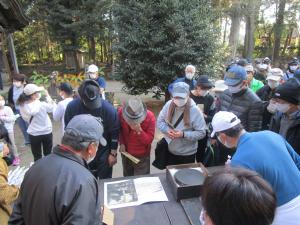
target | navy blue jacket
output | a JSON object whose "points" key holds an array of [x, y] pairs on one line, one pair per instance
{"points": [[106, 112]]}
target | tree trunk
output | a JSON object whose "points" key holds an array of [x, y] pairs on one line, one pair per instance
{"points": [[278, 27], [92, 48], [251, 21], [287, 40], [235, 15], [225, 30]]}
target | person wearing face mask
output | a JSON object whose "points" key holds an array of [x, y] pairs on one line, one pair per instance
{"points": [[93, 73], [35, 112], [205, 102], [59, 187], [266, 93], [268, 154], [240, 100], [66, 93], [136, 135], [292, 67], [253, 84], [183, 138], [8, 193], [90, 102], [8, 118], [14, 92], [286, 120], [262, 69], [188, 78], [236, 196]]}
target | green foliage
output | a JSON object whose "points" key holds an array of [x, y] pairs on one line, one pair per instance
{"points": [[157, 39], [40, 79]]}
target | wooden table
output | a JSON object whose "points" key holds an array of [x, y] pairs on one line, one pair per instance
{"points": [[172, 212]]}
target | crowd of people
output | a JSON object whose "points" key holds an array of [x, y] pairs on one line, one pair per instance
{"points": [[250, 119]]}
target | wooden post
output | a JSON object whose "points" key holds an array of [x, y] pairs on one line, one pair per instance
{"points": [[12, 52]]}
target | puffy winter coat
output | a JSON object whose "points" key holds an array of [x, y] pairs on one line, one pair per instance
{"points": [[246, 105]]}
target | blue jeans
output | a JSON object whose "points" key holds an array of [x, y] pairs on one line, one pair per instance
{"points": [[23, 126]]}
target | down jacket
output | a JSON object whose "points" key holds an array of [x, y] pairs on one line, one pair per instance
{"points": [[246, 105]]}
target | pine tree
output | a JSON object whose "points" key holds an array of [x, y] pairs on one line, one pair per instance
{"points": [[157, 39]]}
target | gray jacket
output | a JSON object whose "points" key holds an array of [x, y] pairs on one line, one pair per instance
{"points": [[58, 190], [196, 131]]}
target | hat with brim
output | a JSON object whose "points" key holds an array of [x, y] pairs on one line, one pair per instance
{"points": [[273, 77], [181, 89], [204, 82], [235, 75], [89, 92], [134, 111], [223, 121], [86, 128], [30, 89]]}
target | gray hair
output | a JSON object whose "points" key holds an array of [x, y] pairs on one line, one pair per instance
{"points": [[77, 143], [191, 67]]}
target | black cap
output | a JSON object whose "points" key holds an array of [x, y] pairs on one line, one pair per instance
{"points": [[289, 91], [294, 61], [243, 62], [66, 87], [204, 82], [89, 92]]}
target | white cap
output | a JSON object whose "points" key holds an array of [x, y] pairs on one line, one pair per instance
{"points": [[249, 68], [30, 89], [220, 86], [92, 68], [223, 121], [275, 74]]}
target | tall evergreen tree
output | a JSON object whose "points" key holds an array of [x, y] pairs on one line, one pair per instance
{"points": [[157, 39]]}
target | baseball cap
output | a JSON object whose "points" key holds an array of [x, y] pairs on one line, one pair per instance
{"points": [[92, 68], [289, 91], [275, 74], [89, 92], [66, 87], [181, 89], [249, 68], [30, 89], [86, 127], [223, 121], [235, 75]]}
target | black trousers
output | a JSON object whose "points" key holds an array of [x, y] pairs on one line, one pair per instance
{"points": [[180, 159], [39, 142], [99, 166], [202, 144]]}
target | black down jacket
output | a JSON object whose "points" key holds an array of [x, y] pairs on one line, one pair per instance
{"points": [[246, 105]]}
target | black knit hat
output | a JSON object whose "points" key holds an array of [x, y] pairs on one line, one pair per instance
{"points": [[204, 82], [289, 91]]}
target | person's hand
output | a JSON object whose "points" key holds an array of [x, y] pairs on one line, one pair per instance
{"points": [[170, 133], [5, 150], [137, 127], [205, 116], [112, 160], [178, 134], [122, 148]]}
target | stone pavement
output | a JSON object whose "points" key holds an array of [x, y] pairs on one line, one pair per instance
{"points": [[120, 96]]}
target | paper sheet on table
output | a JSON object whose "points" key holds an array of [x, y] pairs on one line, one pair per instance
{"points": [[16, 176], [133, 192]]}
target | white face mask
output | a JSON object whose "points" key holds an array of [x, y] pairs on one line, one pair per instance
{"points": [[2, 103], [38, 95], [93, 75], [201, 218], [293, 68], [224, 143], [180, 102], [273, 84], [189, 76], [282, 107], [203, 92], [272, 107], [90, 159], [17, 84], [263, 66], [235, 89]]}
